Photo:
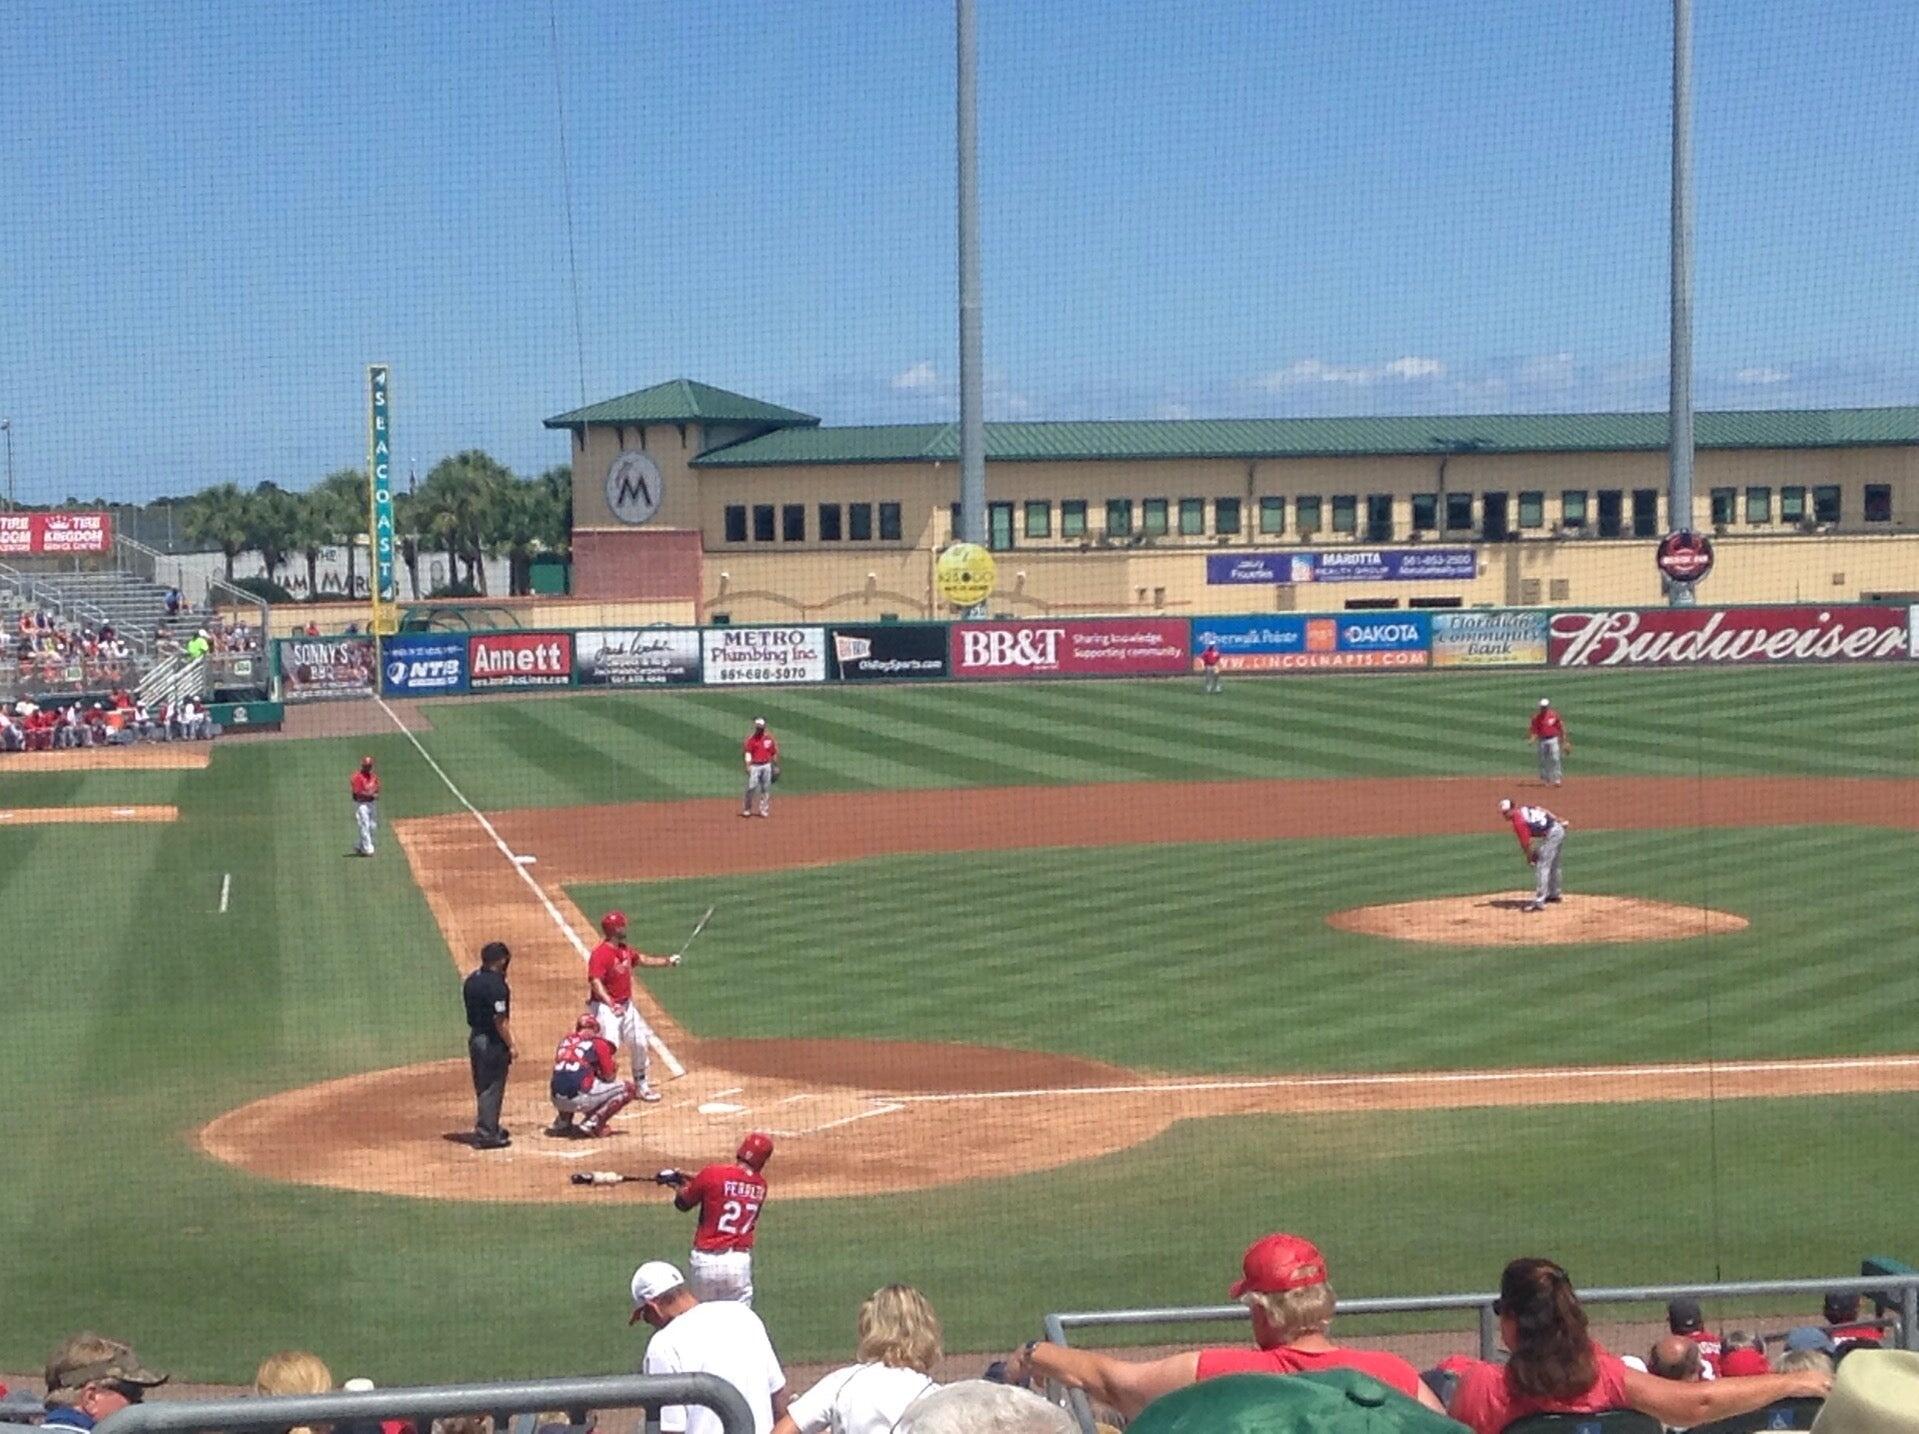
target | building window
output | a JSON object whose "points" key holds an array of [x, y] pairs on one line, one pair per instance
{"points": [[889, 522], [1192, 517], [1722, 499], [1306, 514], [1072, 518], [1119, 517], [793, 523], [1572, 508], [1792, 505], [1532, 509], [1152, 517], [954, 530], [736, 522], [1039, 519], [1226, 515], [1878, 502], [1425, 512], [1759, 505], [1272, 516], [859, 522], [1645, 512], [762, 522], [1345, 513], [829, 522], [1825, 503], [1459, 512]]}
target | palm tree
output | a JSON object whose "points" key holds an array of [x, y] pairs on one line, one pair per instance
{"points": [[406, 536], [217, 518], [313, 529], [532, 518], [270, 518], [457, 504], [349, 505]]}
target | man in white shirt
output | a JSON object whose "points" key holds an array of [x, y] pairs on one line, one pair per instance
{"points": [[723, 1338]]}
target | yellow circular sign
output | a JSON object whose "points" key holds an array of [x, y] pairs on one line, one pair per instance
{"points": [[965, 574]]}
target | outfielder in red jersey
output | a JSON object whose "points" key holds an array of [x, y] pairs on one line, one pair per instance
{"points": [[1548, 731], [365, 787], [728, 1198], [585, 1081], [609, 995]]}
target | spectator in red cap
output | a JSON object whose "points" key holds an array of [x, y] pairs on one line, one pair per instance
{"points": [[1283, 1283]]}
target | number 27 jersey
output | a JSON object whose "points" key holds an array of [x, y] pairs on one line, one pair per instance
{"points": [[729, 1197]]}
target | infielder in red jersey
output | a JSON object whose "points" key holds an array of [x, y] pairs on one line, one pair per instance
{"points": [[585, 1081], [762, 755], [728, 1198], [1548, 732], [365, 787], [1541, 834], [609, 994]]}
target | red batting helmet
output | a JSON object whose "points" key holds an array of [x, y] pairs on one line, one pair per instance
{"points": [[613, 921], [755, 1150], [589, 1023]]}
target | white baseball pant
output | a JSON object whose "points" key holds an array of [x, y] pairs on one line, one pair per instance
{"points": [[598, 1102], [721, 1275], [759, 783], [367, 818], [627, 1029]]}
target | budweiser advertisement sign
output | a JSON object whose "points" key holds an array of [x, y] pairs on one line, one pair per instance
{"points": [[1088, 647], [1685, 557], [1715, 636]]}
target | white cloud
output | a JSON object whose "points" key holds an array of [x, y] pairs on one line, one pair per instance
{"points": [[1308, 372], [1412, 367], [921, 375], [1174, 410], [1761, 375]]}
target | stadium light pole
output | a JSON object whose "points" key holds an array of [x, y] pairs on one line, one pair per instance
{"points": [[972, 430], [6, 427], [1679, 358]]}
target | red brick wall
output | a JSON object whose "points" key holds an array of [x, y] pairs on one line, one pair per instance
{"points": [[638, 563]]}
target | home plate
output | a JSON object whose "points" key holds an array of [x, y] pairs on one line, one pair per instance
{"points": [[524, 860], [720, 1107]]}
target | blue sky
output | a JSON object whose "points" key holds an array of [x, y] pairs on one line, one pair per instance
{"points": [[212, 216]]}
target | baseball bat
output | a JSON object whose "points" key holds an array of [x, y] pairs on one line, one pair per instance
{"points": [[696, 931], [615, 1177]]}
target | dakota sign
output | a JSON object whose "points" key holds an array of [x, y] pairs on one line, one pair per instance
{"points": [[520, 659], [1083, 647], [1673, 637]]}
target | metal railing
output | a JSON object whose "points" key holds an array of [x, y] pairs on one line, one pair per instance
{"points": [[1896, 1291], [620, 1391]]}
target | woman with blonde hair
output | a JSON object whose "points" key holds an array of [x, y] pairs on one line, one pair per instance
{"points": [[899, 1343], [293, 1371]]}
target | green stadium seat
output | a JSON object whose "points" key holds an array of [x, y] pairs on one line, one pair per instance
{"points": [[1609, 1421], [1782, 1414]]}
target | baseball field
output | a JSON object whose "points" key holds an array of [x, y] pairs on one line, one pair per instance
{"points": [[1053, 996]]}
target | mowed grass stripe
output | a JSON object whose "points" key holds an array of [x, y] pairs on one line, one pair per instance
{"points": [[1008, 753], [1179, 950]]}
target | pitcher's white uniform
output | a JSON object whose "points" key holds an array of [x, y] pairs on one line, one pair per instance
{"points": [[1541, 834]]}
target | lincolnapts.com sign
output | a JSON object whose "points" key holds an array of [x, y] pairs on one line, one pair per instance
{"points": [[1674, 637]]}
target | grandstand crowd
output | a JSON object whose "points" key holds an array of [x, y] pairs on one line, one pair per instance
{"points": [[1834, 1376]]}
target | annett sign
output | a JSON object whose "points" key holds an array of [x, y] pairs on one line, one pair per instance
{"points": [[1672, 637], [520, 659]]}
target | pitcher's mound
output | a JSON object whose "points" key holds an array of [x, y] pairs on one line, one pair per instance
{"points": [[1500, 919]]}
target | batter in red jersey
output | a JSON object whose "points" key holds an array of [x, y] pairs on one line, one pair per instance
{"points": [[1549, 735], [585, 1081], [762, 755], [728, 1198], [1541, 834], [609, 994]]}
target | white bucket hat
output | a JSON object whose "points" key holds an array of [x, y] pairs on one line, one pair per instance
{"points": [[1876, 1391]]}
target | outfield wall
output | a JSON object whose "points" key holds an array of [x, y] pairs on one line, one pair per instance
{"points": [[517, 660]]}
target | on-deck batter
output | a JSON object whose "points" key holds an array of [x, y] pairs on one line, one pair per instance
{"points": [[609, 994], [728, 1198]]}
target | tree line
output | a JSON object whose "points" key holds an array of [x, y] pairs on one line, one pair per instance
{"points": [[469, 506]]}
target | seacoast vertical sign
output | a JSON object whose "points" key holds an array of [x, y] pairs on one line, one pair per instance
{"points": [[379, 472]]}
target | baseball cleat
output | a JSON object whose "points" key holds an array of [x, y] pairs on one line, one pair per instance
{"points": [[1554, 899], [649, 1095], [1534, 906]]}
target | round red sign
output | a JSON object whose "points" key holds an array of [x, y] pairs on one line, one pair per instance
{"points": [[1685, 557]]}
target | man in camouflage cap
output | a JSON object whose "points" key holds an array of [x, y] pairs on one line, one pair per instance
{"points": [[90, 1377]]}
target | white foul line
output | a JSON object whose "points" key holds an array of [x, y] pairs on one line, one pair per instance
{"points": [[887, 1107], [559, 920], [226, 889], [1419, 1078]]}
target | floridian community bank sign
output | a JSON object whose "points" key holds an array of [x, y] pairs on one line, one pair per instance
{"points": [[1344, 565]]}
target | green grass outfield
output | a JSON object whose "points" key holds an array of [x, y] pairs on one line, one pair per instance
{"points": [[136, 1011]]}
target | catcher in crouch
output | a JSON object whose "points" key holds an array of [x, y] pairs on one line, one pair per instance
{"points": [[584, 1082], [728, 1197]]}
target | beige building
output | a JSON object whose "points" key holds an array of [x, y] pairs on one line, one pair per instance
{"points": [[755, 513]]}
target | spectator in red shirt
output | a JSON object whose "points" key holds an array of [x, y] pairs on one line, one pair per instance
{"points": [[1284, 1284], [1842, 1322], [1557, 1368]]}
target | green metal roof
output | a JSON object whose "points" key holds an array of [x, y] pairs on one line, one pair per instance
{"points": [[1319, 437], [681, 400]]}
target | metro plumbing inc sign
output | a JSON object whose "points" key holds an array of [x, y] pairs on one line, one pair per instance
{"points": [[520, 659], [1096, 647], [1710, 637]]}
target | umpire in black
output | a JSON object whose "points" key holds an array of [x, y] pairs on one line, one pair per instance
{"points": [[489, 1042]]}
